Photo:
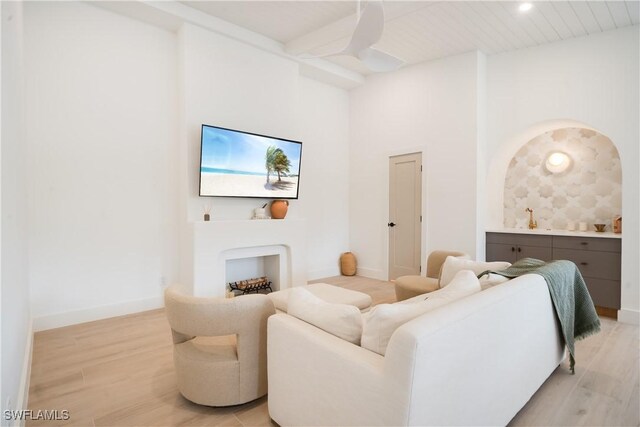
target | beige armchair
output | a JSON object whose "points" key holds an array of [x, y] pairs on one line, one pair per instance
{"points": [[220, 346], [411, 286]]}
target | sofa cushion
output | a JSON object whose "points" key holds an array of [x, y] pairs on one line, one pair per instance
{"points": [[326, 292], [341, 320], [453, 265], [381, 321], [490, 280]]}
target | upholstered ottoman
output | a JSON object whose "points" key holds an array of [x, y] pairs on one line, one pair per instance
{"points": [[329, 293]]}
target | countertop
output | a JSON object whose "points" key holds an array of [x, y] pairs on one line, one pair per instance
{"points": [[605, 234]]}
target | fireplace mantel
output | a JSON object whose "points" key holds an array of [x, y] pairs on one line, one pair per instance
{"points": [[214, 242]]}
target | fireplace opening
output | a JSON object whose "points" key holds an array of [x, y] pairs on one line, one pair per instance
{"points": [[258, 274]]}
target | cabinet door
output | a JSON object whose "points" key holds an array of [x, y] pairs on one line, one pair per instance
{"points": [[501, 252], [604, 293], [537, 252]]}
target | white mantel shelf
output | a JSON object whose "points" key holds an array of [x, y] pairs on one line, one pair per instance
{"points": [[605, 234], [215, 242]]}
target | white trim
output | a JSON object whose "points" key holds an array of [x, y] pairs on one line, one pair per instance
{"points": [[323, 273], [629, 316], [23, 391], [372, 273], [67, 318]]}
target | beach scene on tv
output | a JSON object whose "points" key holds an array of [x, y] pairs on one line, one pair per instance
{"points": [[236, 164]]}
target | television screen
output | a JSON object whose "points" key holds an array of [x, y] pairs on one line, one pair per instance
{"points": [[242, 164]]}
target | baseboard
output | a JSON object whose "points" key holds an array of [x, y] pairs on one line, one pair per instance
{"points": [[371, 273], [23, 392], [59, 320], [629, 316], [325, 272]]}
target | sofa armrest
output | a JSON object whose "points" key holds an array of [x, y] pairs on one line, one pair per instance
{"points": [[316, 378]]}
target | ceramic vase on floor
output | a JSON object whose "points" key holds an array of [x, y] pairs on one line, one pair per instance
{"points": [[348, 264], [279, 209]]}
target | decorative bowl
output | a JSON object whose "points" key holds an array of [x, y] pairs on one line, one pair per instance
{"points": [[599, 227]]}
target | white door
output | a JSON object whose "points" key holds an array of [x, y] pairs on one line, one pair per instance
{"points": [[405, 214]]}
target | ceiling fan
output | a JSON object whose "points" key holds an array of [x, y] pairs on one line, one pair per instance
{"points": [[368, 32]]}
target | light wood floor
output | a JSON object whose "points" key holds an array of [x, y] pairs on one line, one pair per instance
{"points": [[119, 372]]}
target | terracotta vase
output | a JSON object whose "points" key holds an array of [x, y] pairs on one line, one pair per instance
{"points": [[348, 264], [279, 209]]}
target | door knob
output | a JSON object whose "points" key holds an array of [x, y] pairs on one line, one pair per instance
{"points": [[391, 224], [519, 249]]}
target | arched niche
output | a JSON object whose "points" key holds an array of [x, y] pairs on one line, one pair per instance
{"points": [[502, 158], [588, 190]]}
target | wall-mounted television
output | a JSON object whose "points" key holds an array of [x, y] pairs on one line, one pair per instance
{"points": [[243, 164]]}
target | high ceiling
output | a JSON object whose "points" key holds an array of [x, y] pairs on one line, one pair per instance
{"points": [[423, 30]]}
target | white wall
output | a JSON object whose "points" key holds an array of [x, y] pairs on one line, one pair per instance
{"points": [[433, 108], [590, 82], [324, 122], [227, 83], [101, 104], [16, 314], [230, 84], [114, 108]]}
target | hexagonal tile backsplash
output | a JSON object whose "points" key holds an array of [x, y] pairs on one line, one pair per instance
{"points": [[590, 190]]}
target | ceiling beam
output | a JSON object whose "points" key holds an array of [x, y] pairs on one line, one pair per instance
{"points": [[172, 14], [329, 33]]}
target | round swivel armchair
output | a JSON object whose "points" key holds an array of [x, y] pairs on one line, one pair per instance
{"points": [[411, 286], [219, 346]]}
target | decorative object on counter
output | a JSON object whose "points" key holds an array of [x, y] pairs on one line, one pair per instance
{"points": [[207, 212], [599, 227], [532, 224], [617, 224], [571, 226], [279, 209], [230, 294], [558, 162], [260, 213], [582, 226], [348, 264], [254, 285]]}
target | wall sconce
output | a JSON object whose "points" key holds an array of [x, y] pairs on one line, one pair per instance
{"points": [[557, 162]]}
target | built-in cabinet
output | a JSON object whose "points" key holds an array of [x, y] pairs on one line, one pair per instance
{"points": [[597, 258]]}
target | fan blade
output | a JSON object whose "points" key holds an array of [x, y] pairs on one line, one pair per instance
{"points": [[368, 29], [378, 61]]}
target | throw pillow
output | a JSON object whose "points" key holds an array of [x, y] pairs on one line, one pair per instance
{"points": [[341, 320], [382, 320], [453, 264]]}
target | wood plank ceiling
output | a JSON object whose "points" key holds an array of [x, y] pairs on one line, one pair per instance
{"points": [[418, 31]]}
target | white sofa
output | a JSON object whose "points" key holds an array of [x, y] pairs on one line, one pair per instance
{"points": [[476, 361]]}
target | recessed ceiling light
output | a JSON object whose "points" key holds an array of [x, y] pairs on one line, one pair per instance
{"points": [[525, 7]]}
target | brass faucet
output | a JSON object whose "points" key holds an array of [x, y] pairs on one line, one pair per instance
{"points": [[532, 224]]}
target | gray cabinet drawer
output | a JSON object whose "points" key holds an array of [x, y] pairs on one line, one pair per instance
{"points": [[519, 239], [599, 265], [587, 243], [604, 293]]}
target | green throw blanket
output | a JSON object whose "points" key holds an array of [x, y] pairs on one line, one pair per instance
{"points": [[571, 299]]}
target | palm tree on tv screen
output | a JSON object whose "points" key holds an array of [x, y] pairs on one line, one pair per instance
{"points": [[270, 159], [281, 164]]}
